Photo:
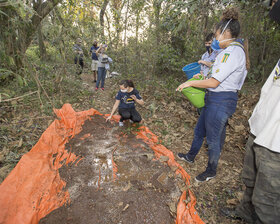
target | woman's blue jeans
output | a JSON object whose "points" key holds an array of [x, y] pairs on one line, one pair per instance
{"points": [[219, 106], [101, 74]]}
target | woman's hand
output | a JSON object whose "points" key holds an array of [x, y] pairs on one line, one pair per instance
{"points": [[109, 118], [184, 85], [197, 76]]}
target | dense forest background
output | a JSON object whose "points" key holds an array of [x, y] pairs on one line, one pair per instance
{"points": [[154, 37]]}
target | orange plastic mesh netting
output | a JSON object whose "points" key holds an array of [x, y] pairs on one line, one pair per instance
{"points": [[34, 188]]}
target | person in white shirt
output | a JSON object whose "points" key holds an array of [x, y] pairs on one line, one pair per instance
{"points": [[261, 171]]}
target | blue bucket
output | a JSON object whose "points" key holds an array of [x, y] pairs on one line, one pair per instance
{"points": [[191, 69]]}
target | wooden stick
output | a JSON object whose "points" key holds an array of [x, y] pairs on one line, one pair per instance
{"points": [[19, 97]]}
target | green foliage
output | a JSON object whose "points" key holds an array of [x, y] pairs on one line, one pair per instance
{"points": [[33, 54], [161, 36]]}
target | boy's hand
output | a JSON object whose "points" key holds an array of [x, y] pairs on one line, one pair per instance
{"points": [[108, 118], [133, 97], [201, 62]]}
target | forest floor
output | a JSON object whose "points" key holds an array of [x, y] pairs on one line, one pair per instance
{"points": [[171, 117]]}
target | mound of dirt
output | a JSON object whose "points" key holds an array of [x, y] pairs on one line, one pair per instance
{"points": [[117, 181]]}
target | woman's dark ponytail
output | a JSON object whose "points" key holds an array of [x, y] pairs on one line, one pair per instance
{"points": [[229, 20]]}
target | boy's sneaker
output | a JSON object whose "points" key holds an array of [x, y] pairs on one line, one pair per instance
{"points": [[96, 88], [205, 176], [121, 124], [184, 157], [102, 89]]}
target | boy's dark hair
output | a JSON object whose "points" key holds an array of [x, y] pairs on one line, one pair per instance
{"points": [[230, 18], [209, 37], [126, 83]]}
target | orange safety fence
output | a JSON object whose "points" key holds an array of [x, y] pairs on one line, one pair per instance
{"points": [[34, 188], [186, 213]]}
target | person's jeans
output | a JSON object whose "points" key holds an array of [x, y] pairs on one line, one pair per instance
{"points": [[101, 74], [219, 106]]}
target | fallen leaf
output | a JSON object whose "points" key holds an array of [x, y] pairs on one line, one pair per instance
{"points": [[163, 158], [29, 124], [232, 201], [126, 207], [20, 142]]}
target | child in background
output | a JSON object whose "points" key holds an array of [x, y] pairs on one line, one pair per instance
{"points": [[209, 56], [125, 102]]}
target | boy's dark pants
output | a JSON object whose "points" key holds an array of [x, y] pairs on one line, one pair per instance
{"points": [[129, 113]]}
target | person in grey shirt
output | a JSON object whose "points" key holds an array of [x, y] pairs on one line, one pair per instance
{"points": [[103, 61], [78, 51]]}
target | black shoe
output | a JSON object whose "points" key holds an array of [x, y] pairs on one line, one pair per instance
{"points": [[230, 213], [205, 176], [184, 157]]}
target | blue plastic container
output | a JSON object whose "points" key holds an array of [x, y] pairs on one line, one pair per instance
{"points": [[191, 69]]}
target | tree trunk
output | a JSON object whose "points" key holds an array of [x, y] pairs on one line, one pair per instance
{"points": [[206, 15], [20, 34], [101, 17], [137, 35], [157, 8], [42, 47], [125, 39], [108, 28]]}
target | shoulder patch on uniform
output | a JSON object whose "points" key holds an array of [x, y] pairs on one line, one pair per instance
{"points": [[277, 71], [225, 57]]}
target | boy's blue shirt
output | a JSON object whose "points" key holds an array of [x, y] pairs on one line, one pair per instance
{"points": [[125, 99]]}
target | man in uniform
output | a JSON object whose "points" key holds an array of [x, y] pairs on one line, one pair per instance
{"points": [[261, 171]]}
